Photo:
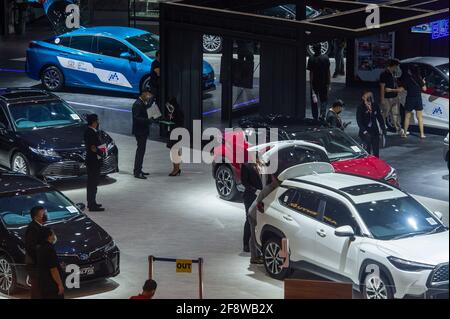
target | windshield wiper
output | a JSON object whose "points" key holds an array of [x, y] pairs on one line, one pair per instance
{"points": [[433, 231]]}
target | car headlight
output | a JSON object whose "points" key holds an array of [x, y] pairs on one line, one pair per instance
{"points": [[407, 265], [45, 152], [111, 145], [110, 246], [391, 175]]}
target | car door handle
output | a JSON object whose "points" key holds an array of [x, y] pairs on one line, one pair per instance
{"points": [[288, 218], [99, 60], [322, 233]]}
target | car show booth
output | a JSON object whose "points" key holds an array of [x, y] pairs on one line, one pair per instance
{"points": [[282, 45]]}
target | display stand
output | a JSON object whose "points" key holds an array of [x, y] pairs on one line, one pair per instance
{"points": [[152, 259]]}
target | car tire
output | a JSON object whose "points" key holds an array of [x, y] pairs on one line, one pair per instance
{"points": [[212, 43], [145, 85], [20, 164], [225, 183], [326, 48], [377, 287], [52, 79], [8, 278], [272, 261]]}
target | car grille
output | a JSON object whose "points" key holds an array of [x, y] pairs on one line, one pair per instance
{"points": [[440, 275], [109, 165], [78, 155], [68, 168]]}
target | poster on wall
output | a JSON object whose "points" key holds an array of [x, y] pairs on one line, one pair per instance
{"points": [[372, 54]]}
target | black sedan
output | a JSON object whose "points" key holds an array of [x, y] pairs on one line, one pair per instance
{"points": [[81, 242], [42, 135]]}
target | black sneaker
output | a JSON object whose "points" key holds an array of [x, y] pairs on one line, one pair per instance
{"points": [[140, 176], [96, 209]]}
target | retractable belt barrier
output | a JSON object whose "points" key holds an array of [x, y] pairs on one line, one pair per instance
{"points": [[182, 266]]}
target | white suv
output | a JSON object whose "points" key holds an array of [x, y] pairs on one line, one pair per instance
{"points": [[353, 229]]}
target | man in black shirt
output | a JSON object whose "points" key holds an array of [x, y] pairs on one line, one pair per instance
{"points": [[50, 282], [94, 157], [251, 180], [32, 236], [141, 130], [389, 90], [155, 73], [320, 78]]}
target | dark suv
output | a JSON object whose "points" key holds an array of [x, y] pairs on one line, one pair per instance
{"points": [[41, 135], [81, 241]]}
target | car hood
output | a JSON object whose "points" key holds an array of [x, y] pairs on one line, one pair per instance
{"points": [[77, 236], [370, 166], [60, 138], [428, 249]]}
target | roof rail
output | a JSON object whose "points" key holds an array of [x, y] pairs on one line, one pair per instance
{"points": [[306, 169]]}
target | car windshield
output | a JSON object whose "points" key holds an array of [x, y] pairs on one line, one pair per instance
{"points": [[338, 144], [15, 210], [29, 116], [444, 68], [146, 43], [398, 218]]}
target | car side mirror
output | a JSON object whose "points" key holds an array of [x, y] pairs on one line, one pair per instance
{"points": [[345, 231], [81, 206], [439, 215], [128, 56]]}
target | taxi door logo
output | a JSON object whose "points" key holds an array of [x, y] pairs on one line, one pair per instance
{"points": [[184, 266], [438, 112]]}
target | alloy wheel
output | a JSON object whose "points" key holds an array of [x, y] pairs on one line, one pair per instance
{"points": [[52, 79], [324, 48], [376, 288], [212, 43], [272, 258], [6, 275], [225, 182], [20, 165]]}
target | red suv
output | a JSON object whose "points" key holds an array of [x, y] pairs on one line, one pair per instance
{"points": [[344, 153]]}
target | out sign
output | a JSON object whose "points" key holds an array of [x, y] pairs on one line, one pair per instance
{"points": [[184, 266]]}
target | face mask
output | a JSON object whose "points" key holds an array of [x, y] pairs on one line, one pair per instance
{"points": [[55, 240], [44, 218]]}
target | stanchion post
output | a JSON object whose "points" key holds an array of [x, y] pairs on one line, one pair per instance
{"points": [[150, 267], [200, 278]]}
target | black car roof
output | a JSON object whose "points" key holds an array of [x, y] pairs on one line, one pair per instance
{"points": [[286, 123], [22, 95], [11, 183]]}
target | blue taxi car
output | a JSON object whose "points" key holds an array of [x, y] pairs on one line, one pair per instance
{"points": [[111, 58]]}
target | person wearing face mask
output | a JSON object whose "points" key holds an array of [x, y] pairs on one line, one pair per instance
{"points": [[369, 117], [50, 283], [94, 155], [141, 130], [38, 219], [334, 116]]}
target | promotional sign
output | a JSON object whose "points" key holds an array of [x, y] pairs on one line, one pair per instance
{"points": [[372, 54]]}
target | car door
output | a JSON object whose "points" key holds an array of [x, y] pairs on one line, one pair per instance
{"points": [[115, 72], [77, 62], [6, 138], [336, 254], [299, 216], [435, 98]]}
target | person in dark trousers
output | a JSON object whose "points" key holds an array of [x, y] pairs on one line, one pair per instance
{"points": [[175, 115], [251, 180], [50, 283], [333, 116], [320, 78], [141, 130], [94, 157], [155, 76], [414, 84], [32, 237], [389, 91], [369, 117], [339, 47], [148, 291]]}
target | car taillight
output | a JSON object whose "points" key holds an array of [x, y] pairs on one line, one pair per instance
{"points": [[260, 207]]}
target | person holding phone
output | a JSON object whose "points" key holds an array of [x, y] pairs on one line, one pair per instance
{"points": [[370, 120]]}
